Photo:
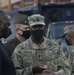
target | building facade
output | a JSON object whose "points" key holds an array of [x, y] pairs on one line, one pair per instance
{"points": [[16, 4]]}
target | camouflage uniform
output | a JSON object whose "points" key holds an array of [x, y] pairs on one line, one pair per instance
{"points": [[69, 29], [48, 53], [71, 57]]}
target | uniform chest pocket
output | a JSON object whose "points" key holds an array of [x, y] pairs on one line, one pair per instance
{"points": [[28, 59]]}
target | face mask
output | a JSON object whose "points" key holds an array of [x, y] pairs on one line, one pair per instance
{"points": [[68, 42], [6, 32], [26, 34], [37, 34]]}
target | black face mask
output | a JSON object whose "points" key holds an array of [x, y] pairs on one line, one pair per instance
{"points": [[68, 42], [37, 34], [26, 34], [6, 32]]}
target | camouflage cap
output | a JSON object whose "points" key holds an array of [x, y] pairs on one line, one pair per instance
{"points": [[68, 29], [36, 19], [21, 19]]}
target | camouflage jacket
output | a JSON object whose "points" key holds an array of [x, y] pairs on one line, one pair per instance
{"points": [[48, 53], [71, 58], [72, 54]]}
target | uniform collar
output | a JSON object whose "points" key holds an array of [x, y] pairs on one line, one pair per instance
{"points": [[16, 41], [43, 45]]}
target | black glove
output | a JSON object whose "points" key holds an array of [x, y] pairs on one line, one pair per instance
{"points": [[38, 68]]}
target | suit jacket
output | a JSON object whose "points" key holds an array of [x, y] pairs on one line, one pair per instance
{"points": [[11, 45], [6, 64]]}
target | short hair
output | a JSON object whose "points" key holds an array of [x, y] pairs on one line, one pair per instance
{"points": [[17, 25], [3, 16]]}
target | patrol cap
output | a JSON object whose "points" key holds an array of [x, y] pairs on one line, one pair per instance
{"points": [[68, 29], [21, 19], [36, 19]]}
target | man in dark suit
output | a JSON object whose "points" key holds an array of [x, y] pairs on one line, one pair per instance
{"points": [[22, 32], [6, 64]]}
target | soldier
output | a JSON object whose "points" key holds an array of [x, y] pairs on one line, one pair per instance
{"points": [[22, 32], [69, 38], [6, 64], [39, 55]]}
